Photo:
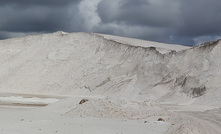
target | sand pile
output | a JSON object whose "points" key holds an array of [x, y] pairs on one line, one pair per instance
{"points": [[121, 110]]}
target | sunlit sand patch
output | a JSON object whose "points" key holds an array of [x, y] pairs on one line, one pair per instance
{"points": [[26, 101]]}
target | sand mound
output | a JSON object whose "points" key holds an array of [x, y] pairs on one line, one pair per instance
{"points": [[121, 110]]}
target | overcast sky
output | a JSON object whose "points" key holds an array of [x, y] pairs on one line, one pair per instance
{"points": [[187, 22]]}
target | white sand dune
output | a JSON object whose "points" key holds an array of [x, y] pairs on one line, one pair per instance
{"points": [[129, 83]]}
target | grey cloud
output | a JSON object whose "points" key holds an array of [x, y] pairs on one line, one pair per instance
{"points": [[4, 35], [33, 20], [38, 18], [140, 12], [180, 21], [24, 3], [200, 18], [171, 21], [151, 20]]}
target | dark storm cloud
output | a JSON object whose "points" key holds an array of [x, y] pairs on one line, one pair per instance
{"points": [[171, 21], [3, 35], [38, 19], [37, 16], [139, 12], [23, 3], [200, 17], [181, 20]]}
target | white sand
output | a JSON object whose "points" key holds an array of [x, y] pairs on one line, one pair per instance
{"points": [[162, 47], [129, 83]]}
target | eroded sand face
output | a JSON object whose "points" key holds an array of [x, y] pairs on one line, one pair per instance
{"points": [[129, 86]]}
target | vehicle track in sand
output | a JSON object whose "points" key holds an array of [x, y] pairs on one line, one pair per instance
{"points": [[194, 122], [212, 120]]}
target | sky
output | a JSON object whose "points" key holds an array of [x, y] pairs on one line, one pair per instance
{"points": [[186, 22]]}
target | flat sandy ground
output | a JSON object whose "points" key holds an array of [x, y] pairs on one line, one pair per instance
{"points": [[64, 115], [38, 119]]}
